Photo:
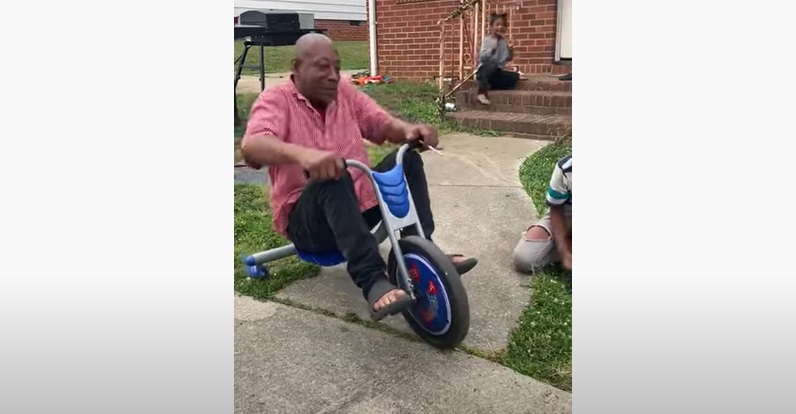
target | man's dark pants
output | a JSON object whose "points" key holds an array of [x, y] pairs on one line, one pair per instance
{"points": [[327, 217]]}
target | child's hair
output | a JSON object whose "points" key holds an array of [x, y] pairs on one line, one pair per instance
{"points": [[495, 17]]}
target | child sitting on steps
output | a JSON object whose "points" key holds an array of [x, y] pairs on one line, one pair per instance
{"points": [[494, 54]]}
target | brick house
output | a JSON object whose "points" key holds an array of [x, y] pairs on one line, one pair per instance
{"points": [[344, 20], [411, 35], [344, 30], [408, 35]]}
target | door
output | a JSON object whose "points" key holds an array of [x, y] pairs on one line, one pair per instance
{"points": [[564, 32]]}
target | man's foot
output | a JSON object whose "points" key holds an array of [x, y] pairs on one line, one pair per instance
{"points": [[463, 264], [482, 99], [392, 296], [385, 299], [567, 77]]}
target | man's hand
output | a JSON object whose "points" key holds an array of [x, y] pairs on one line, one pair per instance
{"points": [[321, 165], [425, 133]]}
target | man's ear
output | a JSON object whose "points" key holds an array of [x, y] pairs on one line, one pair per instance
{"points": [[294, 64]]}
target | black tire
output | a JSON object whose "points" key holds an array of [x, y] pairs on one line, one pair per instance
{"points": [[459, 318]]}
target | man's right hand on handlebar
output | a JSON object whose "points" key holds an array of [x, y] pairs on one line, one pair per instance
{"points": [[322, 165]]}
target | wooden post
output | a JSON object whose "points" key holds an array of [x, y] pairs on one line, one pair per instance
{"points": [[511, 25], [483, 19], [475, 31], [441, 57], [461, 47]]}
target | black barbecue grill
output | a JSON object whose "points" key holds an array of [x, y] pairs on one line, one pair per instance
{"points": [[261, 29]]}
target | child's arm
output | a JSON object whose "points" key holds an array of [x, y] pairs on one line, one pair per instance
{"points": [[558, 193], [488, 46], [559, 230]]}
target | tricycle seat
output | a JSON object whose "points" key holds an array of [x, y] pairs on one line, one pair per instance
{"points": [[325, 259]]}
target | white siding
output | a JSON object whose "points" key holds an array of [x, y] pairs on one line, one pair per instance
{"points": [[329, 9]]}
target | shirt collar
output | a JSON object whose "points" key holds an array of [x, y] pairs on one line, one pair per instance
{"points": [[302, 98]]}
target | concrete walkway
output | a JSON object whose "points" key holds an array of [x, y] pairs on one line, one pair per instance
{"points": [[480, 210], [289, 360]]}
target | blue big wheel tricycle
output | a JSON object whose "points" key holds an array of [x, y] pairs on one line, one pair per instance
{"points": [[440, 313]]}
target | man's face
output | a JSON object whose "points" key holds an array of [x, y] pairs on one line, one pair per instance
{"points": [[317, 74]]}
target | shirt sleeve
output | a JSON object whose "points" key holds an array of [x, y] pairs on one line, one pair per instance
{"points": [[268, 115], [559, 190], [371, 118], [485, 53]]}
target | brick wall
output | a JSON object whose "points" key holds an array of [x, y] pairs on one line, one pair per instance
{"points": [[408, 37], [343, 30]]}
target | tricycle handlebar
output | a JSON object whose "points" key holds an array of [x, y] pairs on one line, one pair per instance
{"points": [[398, 157]]}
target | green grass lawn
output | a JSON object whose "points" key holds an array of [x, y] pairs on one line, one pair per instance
{"points": [[536, 170], [541, 346], [245, 101], [353, 56], [254, 233], [411, 101]]}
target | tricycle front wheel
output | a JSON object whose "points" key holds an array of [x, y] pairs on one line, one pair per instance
{"points": [[441, 315]]}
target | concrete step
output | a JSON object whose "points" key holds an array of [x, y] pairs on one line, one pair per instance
{"points": [[544, 83], [519, 101], [536, 83], [528, 125]]}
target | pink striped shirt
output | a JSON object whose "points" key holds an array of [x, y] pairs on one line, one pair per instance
{"points": [[283, 112]]}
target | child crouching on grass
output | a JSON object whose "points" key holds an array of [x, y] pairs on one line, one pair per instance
{"points": [[550, 239]]}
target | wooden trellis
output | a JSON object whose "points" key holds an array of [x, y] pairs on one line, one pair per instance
{"points": [[472, 17]]}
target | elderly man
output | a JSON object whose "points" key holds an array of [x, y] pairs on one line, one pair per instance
{"points": [[310, 124]]}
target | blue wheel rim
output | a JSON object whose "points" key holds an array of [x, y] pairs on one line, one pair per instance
{"points": [[432, 310]]}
